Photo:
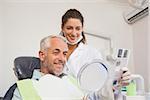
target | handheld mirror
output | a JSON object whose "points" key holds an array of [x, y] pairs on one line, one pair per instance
{"points": [[93, 75]]}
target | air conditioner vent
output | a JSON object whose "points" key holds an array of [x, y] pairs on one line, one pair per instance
{"points": [[134, 15]]}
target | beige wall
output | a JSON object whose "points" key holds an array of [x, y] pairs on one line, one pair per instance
{"points": [[1, 59], [149, 52], [140, 48]]}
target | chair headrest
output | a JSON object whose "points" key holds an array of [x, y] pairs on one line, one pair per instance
{"points": [[24, 66]]}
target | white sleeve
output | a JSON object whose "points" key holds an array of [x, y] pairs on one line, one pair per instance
{"points": [[106, 93], [95, 54]]}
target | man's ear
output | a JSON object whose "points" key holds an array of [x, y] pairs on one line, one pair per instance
{"points": [[42, 55]]}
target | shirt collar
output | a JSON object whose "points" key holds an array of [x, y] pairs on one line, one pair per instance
{"points": [[37, 74]]}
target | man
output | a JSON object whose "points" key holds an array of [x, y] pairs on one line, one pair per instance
{"points": [[52, 54]]}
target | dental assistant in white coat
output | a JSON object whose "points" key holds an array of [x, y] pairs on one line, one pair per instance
{"points": [[80, 53]]}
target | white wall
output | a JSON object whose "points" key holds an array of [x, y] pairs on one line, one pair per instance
{"points": [[26, 23], [1, 43], [149, 51], [0, 30], [141, 45], [0, 38]]}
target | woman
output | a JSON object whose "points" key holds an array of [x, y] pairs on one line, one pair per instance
{"points": [[79, 52]]}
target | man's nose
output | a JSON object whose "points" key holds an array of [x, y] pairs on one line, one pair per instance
{"points": [[62, 57]]}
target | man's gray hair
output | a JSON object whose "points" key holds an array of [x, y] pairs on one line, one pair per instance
{"points": [[45, 42]]}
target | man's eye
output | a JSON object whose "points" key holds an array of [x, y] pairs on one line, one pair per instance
{"points": [[55, 53], [65, 53]]}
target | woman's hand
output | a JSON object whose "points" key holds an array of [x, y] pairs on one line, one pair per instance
{"points": [[125, 77]]}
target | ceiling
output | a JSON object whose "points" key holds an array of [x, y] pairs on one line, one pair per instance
{"points": [[119, 1]]}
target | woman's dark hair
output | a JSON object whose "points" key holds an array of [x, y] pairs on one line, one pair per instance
{"points": [[73, 13]]}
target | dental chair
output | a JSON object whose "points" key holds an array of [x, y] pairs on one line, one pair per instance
{"points": [[24, 66], [23, 69]]}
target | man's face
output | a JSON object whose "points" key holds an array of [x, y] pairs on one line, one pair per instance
{"points": [[55, 58]]}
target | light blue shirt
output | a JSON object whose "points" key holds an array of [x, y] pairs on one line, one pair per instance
{"points": [[36, 76]]}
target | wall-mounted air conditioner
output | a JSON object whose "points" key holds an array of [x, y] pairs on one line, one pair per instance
{"points": [[135, 14]]}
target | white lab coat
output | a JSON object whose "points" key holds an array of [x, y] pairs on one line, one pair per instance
{"points": [[81, 55]]}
